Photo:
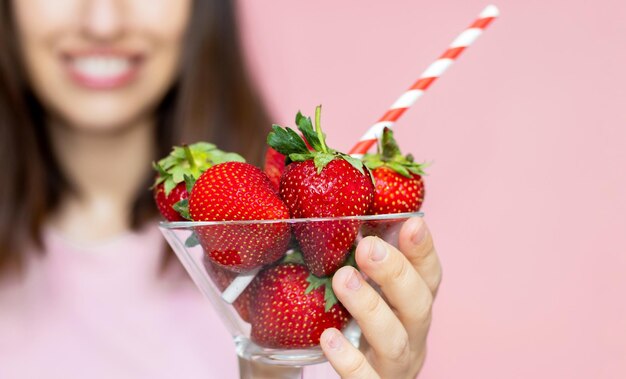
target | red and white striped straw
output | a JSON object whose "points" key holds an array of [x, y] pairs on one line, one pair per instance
{"points": [[435, 70]]}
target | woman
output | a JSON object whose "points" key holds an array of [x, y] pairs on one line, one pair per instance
{"points": [[91, 92]]}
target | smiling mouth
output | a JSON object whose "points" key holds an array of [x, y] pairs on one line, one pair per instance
{"points": [[102, 71]]}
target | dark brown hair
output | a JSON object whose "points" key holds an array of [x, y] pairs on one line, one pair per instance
{"points": [[212, 99]]}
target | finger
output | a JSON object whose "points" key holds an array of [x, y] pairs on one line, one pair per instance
{"points": [[407, 293], [346, 359], [416, 243], [384, 332]]}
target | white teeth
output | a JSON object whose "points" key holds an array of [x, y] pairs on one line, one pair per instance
{"points": [[101, 66]]}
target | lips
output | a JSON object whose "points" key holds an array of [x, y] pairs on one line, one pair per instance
{"points": [[96, 70]]}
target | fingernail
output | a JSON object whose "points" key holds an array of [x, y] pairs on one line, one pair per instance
{"points": [[378, 252], [419, 231], [333, 339], [353, 281]]}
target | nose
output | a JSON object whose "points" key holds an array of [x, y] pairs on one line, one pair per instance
{"points": [[102, 19]]}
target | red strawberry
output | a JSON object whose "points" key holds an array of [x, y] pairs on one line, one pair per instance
{"points": [[321, 183], [396, 193], [399, 184], [222, 279], [178, 171], [290, 309], [345, 192], [274, 166], [239, 191]]}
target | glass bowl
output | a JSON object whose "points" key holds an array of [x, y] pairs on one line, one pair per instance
{"points": [[234, 263]]}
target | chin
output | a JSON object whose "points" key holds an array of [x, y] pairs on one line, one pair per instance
{"points": [[102, 113], [99, 121]]}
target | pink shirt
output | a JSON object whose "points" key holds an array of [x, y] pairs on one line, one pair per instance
{"points": [[103, 311]]}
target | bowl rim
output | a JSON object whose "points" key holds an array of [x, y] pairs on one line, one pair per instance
{"points": [[381, 217]]}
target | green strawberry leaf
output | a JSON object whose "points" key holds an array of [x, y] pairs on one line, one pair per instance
{"points": [[189, 182], [417, 169], [182, 207], [159, 168], [373, 164], [329, 297], [306, 128], [168, 186], [399, 168], [169, 161], [321, 160], [189, 160], [157, 181], [296, 157], [178, 174], [389, 155], [290, 144], [286, 141], [221, 157], [162, 174], [355, 162], [316, 282], [192, 240], [372, 161], [178, 153], [202, 146]]}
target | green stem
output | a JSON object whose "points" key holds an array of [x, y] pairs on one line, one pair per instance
{"points": [[189, 156], [318, 128]]}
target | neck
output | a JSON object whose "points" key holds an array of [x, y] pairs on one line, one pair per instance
{"points": [[106, 170]]}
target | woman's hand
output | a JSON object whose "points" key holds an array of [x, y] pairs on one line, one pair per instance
{"points": [[395, 326]]}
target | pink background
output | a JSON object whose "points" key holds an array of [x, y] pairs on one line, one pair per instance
{"points": [[527, 134]]}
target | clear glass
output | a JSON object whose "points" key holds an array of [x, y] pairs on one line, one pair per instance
{"points": [[194, 243]]}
